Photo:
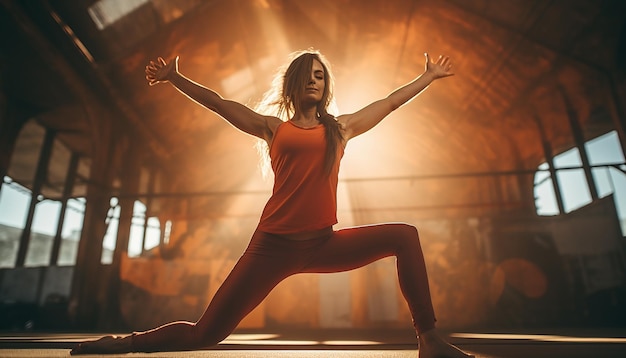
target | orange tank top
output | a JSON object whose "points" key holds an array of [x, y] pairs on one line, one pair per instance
{"points": [[304, 197]]}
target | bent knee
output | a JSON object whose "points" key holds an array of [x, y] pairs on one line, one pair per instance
{"points": [[407, 230], [412, 237], [406, 236]]}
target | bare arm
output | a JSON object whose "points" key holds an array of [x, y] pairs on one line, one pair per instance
{"points": [[235, 113], [372, 114]]}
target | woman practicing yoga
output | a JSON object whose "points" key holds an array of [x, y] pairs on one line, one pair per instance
{"points": [[295, 233]]}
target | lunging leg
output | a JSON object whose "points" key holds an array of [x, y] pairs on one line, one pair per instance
{"points": [[355, 247]]}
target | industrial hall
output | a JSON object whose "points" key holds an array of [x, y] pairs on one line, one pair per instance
{"points": [[160, 180]]}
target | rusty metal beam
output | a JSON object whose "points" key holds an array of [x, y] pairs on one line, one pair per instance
{"points": [[564, 52], [547, 150], [91, 94], [70, 178], [40, 178]]}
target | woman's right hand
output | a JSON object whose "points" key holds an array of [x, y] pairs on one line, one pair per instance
{"points": [[160, 71]]}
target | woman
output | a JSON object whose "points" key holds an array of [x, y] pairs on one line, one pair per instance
{"points": [[295, 233]]}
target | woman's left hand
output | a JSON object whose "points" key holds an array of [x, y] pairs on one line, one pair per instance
{"points": [[440, 68]]}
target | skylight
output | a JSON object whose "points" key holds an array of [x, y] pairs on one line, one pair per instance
{"points": [[106, 12]]}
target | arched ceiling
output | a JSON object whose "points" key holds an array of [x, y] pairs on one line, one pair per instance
{"points": [[515, 62]]}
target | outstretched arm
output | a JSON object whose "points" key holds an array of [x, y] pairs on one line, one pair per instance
{"points": [[235, 113], [369, 116]]}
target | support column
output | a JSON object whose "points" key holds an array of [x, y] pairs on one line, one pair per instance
{"points": [[40, 177], [7, 140], [130, 186], [111, 310], [10, 126], [70, 178], [547, 152], [619, 115], [89, 273], [579, 139]]}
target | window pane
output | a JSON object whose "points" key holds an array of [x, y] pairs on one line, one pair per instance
{"points": [[153, 233], [605, 149], [110, 237], [574, 189], [72, 228], [568, 159], [541, 175], [14, 201], [545, 200], [135, 239], [46, 217], [107, 12], [167, 231], [43, 230], [604, 185]]}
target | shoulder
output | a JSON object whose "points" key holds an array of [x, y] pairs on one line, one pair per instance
{"points": [[272, 124], [344, 124]]}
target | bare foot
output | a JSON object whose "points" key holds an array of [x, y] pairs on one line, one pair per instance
{"points": [[431, 345], [104, 345]]}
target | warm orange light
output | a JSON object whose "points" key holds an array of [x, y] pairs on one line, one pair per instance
{"points": [[525, 276], [540, 337], [349, 343], [271, 339]]}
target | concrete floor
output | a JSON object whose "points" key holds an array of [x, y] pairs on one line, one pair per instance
{"points": [[353, 344]]}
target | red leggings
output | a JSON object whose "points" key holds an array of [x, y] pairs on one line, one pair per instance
{"points": [[270, 258]]}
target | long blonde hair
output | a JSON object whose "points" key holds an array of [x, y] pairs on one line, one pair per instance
{"points": [[282, 99]]}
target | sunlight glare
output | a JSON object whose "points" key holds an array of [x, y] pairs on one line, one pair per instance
{"points": [[540, 337]]}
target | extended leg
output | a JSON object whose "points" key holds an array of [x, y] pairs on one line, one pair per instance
{"points": [[246, 286], [256, 273]]}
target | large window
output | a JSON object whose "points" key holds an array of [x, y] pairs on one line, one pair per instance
{"points": [[14, 200], [126, 22], [144, 235], [609, 175]]}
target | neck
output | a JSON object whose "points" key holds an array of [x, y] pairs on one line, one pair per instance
{"points": [[306, 115]]}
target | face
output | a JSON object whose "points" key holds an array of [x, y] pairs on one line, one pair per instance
{"points": [[315, 86]]}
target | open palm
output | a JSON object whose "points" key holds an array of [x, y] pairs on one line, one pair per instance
{"points": [[440, 68], [159, 71]]}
